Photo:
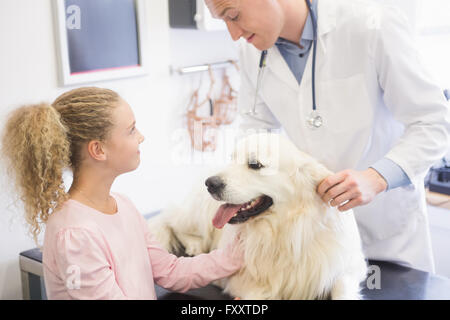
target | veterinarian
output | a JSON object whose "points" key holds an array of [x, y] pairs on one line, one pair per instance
{"points": [[383, 120]]}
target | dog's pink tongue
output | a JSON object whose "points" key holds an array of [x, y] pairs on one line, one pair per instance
{"points": [[224, 214]]}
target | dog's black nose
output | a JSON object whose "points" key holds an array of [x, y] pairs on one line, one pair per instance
{"points": [[215, 184]]}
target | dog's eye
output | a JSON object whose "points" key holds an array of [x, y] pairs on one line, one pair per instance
{"points": [[255, 165]]}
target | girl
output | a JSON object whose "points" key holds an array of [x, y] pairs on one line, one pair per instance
{"points": [[96, 244]]}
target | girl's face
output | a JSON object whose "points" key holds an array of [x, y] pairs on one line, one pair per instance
{"points": [[122, 147], [260, 22]]}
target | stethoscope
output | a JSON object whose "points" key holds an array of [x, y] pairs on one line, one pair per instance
{"points": [[314, 120]]}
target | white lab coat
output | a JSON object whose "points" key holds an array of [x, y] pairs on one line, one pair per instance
{"points": [[377, 100]]}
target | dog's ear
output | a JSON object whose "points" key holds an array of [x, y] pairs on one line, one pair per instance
{"points": [[309, 174]]}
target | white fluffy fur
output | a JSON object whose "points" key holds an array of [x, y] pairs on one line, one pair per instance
{"points": [[299, 248]]}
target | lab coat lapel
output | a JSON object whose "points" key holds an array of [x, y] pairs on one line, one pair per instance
{"points": [[278, 66], [326, 23], [326, 20]]}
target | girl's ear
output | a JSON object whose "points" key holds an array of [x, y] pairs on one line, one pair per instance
{"points": [[96, 150]]}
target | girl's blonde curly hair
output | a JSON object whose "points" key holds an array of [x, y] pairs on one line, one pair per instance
{"points": [[41, 141]]}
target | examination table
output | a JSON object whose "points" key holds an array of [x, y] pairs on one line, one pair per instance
{"points": [[397, 283]]}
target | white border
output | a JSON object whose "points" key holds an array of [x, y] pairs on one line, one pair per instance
{"points": [[66, 79]]}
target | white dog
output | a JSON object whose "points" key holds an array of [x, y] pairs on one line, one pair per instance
{"points": [[296, 247]]}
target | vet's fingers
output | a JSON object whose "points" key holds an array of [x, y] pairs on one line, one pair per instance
{"points": [[346, 196], [335, 192], [237, 298], [330, 181], [350, 194], [350, 205]]}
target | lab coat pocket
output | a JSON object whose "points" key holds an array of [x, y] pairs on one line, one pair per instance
{"points": [[390, 214], [347, 114], [344, 104]]}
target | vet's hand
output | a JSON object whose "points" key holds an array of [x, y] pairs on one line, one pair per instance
{"points": [[356, 187]]}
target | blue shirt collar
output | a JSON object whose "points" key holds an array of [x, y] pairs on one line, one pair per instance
{"points": [[308, 30]]}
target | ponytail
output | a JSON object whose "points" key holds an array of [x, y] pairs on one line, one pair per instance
{"points": [[36, 150], [40, 141]]}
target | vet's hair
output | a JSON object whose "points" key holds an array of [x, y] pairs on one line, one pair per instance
{"points": [[41, 141]]}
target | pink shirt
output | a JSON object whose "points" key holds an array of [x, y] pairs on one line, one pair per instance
{"points": [[91, 255]]}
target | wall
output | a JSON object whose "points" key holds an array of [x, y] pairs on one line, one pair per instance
{"points": [[28, 74]]}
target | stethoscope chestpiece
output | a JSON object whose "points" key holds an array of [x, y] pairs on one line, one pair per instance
{"points": [[314, 121]]}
